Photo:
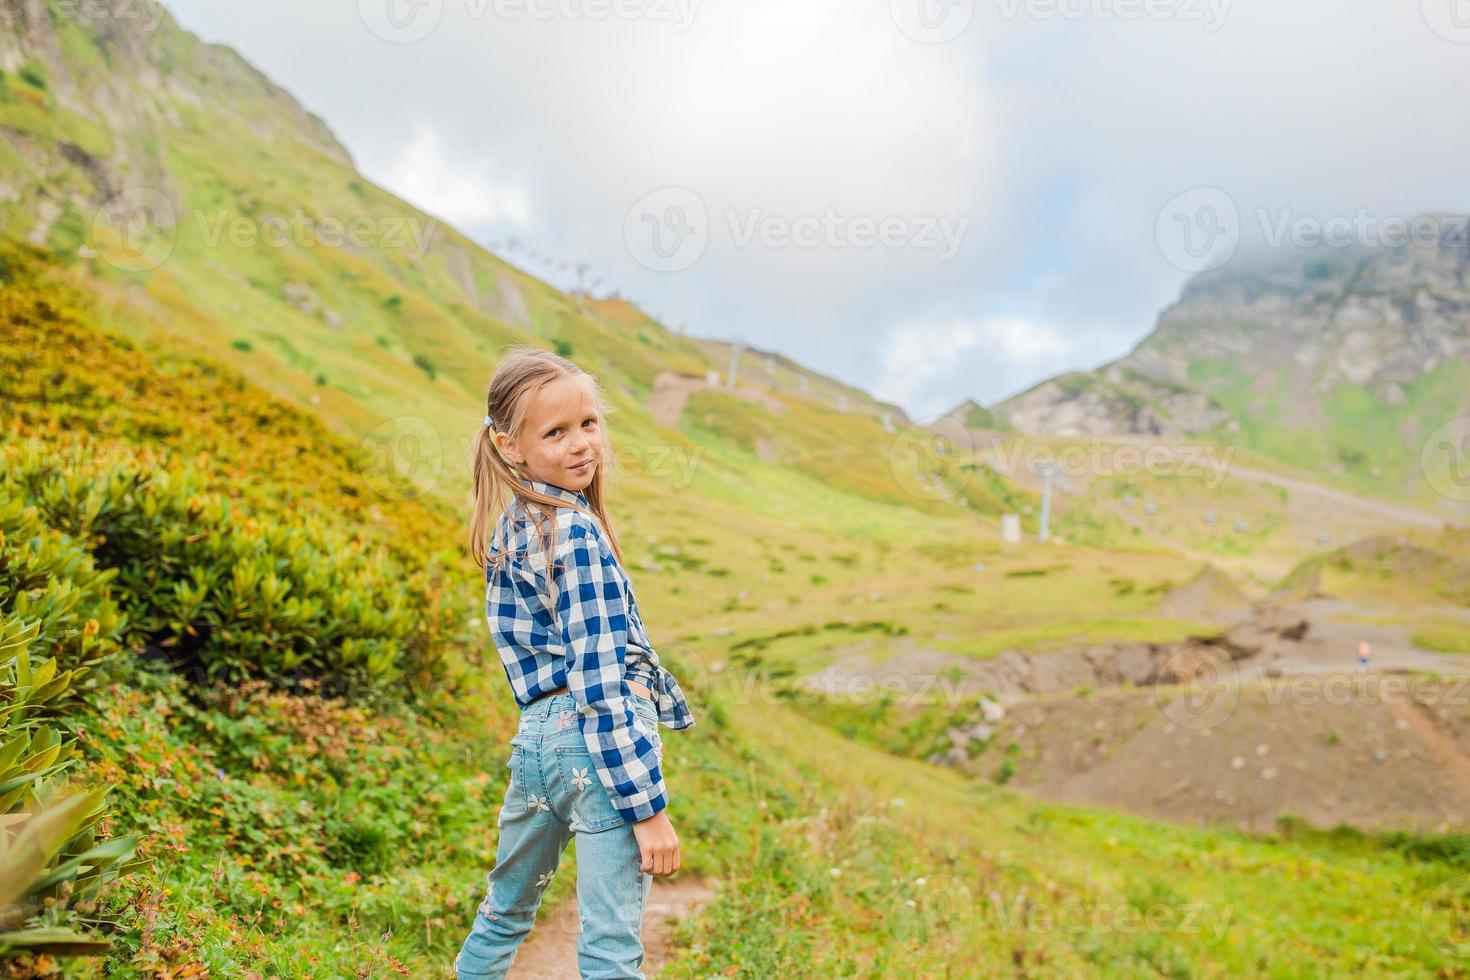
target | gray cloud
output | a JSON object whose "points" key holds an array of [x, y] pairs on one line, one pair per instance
{"points": [[1055, 130]]}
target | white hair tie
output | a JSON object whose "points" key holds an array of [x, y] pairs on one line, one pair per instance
{"points": [[489, 422]]}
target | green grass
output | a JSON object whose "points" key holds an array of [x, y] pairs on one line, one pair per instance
{"points": [[1445, 636], [294, 837], [1052, 636]]}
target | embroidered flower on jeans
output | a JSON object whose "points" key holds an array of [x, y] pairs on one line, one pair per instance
{"points": [[580, 779], [565, 719], [540, 801], [544, 878]]}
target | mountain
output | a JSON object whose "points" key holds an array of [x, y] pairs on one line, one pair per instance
{"points": [[1340, 361], [204, 205]]}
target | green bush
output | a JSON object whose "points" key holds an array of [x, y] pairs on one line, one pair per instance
{"points": [[57, 622], [217, 588]]}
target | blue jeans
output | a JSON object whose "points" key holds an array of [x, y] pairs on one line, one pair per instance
{"points": [[553, 794]]}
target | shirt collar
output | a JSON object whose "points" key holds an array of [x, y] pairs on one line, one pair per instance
{"points": [[551, 489]]}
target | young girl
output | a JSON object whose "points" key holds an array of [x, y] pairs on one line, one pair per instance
{"points": [[586, 758]]}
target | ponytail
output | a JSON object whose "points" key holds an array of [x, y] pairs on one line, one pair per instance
{"points": [[487, 460]]}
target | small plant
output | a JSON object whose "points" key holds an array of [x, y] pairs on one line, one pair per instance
{"points": [[242, 344], [425, 365], [31, 75], [563, 347]]}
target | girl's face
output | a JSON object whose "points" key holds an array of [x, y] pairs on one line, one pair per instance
{"points": [[561, 442]]}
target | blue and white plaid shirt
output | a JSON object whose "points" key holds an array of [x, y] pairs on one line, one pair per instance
{"points": [[594, 645]]}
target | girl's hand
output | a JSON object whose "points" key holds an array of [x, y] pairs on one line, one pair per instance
{"points": [[658, 844]]}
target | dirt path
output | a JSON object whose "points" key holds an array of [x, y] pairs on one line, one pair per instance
{"points": [[550, 951], [1382, 509], [672, 390]]}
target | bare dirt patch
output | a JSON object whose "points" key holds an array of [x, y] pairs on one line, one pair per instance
{"points": [[550, 951], [1352, 757], [671, 392], [1308, 731]]}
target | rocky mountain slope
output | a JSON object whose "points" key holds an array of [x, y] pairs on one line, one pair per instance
{"points": [[1338, 360]]}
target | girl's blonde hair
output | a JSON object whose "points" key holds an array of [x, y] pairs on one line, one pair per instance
{"points": [[523, 372]]}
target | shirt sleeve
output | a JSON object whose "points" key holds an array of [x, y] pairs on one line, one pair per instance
{"points": [[592, 610]]}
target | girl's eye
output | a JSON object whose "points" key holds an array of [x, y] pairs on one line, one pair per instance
{"points": [[558, 428]]}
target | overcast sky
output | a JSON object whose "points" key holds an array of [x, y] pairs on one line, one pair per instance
{"points": [[931, 199]]}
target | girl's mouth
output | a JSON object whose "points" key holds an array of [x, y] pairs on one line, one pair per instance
{"points": [[583, 466]]}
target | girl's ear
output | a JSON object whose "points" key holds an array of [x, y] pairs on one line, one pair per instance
{"points": [[507, 447]]}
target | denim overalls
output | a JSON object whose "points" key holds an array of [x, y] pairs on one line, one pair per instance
{"points": [[554, 793]]}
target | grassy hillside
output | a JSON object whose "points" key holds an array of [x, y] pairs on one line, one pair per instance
{"points": [[274, 255], [293, 834], [233, 493]]}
